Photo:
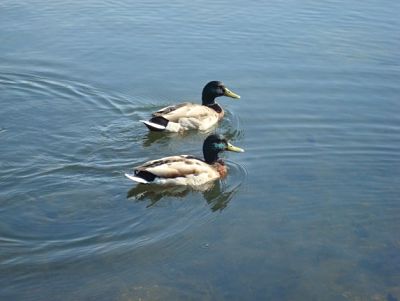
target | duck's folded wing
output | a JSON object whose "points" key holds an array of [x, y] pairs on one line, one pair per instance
{"points": [[170, 109], [178, 166], [186, 110]]}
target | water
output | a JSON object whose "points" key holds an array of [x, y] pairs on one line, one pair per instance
{"points": [[309, 212]]}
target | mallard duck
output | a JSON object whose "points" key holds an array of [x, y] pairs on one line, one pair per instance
{"points": [[190, 116], [185, 169]]}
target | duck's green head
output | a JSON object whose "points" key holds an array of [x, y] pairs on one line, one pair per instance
{"points": [[215, 89], [214, 144]]}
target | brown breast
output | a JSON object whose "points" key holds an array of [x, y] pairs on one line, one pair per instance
{"points": [[221, 169]]}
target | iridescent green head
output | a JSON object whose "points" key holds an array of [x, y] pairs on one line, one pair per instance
{"points": [[214, 144], [215, 89]]}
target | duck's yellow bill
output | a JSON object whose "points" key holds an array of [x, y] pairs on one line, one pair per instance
{"points": [[229, 93], [233, 148]]}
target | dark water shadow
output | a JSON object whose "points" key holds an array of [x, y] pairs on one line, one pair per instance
{"points": [[164, 137], [214, 194]]}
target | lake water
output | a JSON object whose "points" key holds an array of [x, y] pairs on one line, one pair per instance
{"points": [[309, 212]]}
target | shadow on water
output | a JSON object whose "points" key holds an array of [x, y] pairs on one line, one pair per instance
{"points": [[163, 138], [214, 194]]}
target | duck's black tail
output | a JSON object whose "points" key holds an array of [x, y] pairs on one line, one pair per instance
{"points": [[141, 176], [156, 124]]}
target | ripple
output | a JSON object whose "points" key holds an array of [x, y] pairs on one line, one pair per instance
{"points": [[231, 126], [84, 94], [63, 173], [153, 217]]}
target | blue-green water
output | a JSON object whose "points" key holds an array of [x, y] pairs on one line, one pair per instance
{"points": [[309, 212]]}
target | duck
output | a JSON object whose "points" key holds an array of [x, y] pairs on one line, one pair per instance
{"points": [[187, 170], [190, 116]]}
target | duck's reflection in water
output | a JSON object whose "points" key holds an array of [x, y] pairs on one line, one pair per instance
{"points": [[152, 137], [164, 138], [215, 195]]}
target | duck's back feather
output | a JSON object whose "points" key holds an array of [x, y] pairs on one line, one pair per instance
{"points": [[186, 110], [179, 170], [169, 109], [185, 116]]}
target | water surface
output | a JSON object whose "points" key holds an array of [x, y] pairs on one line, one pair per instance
{"points": [[309, 212]]}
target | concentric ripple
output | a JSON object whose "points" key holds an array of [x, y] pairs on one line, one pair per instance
{"points": [[64, 197]]}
